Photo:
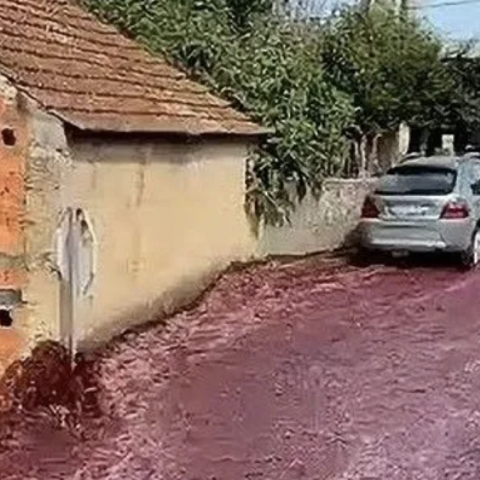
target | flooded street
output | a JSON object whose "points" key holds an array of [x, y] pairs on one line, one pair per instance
{"points": [[283, 372]]}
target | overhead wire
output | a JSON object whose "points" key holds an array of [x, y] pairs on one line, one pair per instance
{"points": [[443, 4]]}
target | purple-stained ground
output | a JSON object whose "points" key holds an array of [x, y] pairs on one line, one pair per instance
{"points": [[303, 371]]}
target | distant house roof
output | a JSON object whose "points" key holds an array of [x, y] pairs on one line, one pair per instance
{"points": [[92, 77]]}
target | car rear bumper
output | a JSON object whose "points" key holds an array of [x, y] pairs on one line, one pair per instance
{"points": [[444, 235]]}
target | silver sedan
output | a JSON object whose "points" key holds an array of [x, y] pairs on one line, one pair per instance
{"points": [[426, 204]]}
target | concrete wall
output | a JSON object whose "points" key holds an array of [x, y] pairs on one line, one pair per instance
{"points": [[318, 224], [166, 216], [48, 164]]}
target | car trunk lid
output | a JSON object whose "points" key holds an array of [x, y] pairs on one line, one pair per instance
{"points": [[414, 192]]}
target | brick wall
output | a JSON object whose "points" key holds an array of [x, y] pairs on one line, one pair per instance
{"points": [[13, 152]]}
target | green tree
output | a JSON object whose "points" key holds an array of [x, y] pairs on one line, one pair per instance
{"points": [[391, 66], [461, 107]]}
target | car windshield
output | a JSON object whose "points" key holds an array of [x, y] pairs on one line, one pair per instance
{"points": [[417, 180]]}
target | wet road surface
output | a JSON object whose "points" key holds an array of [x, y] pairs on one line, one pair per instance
{"points": [[301, 371]]}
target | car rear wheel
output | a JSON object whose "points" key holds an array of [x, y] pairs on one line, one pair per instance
{"points": [[471, 257]]}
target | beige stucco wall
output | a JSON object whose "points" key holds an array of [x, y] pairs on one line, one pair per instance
{"points": [[318, 224], [166, 216]]}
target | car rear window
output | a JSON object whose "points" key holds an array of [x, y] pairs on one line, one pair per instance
{"points": [[417, 180]]}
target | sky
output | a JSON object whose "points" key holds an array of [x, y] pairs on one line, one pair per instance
{"points": [[458, 22], [455, 19]]}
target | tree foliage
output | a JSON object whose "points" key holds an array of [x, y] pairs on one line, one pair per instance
{"points": [[308, 81], [462, 107], [390, 66]]}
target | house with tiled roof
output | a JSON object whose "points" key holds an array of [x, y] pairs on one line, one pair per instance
{"points": [[121, 181]]}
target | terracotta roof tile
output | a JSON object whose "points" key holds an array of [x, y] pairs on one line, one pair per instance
{"points": [[94, 78]]}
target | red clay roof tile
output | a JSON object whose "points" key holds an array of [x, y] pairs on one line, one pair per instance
{"points": [[92, 77]]}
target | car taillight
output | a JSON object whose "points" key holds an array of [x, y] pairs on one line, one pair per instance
{"points": [[369, 209], [455, 210]]}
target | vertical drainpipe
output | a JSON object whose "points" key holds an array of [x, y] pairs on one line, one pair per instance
{"points": [[73, 286], [71, 283], [67, 286]]}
